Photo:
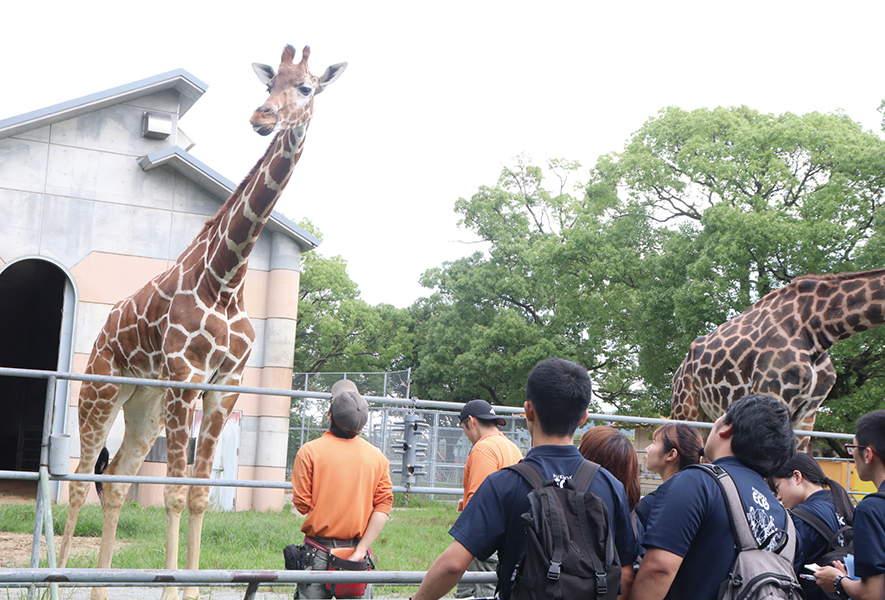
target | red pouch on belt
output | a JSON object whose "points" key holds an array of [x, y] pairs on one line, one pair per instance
{"points": [[336, 563]]}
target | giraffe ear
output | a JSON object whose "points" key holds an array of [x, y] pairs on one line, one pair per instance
{"points": [[264, 72], [331, 74]]}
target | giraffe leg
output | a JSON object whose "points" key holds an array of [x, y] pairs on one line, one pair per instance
{"points": [[804, 442], [143, 418], [215, 415], [98, 408], [179, 416]]}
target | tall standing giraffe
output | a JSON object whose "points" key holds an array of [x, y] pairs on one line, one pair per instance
{"points": [[189, 325], [779, 347]]}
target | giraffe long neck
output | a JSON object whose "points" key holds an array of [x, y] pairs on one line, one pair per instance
{"points": [[845, 305], [235, 229]]}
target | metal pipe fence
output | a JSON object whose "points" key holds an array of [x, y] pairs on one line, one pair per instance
{"points": [[379, 433]]}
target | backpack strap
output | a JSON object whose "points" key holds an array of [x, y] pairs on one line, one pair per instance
{"points": [[583, 478], [818, 524], [739, 525], [529, 472]]}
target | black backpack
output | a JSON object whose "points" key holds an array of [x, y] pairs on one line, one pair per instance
{"points": [[756, 573], [569, 550], [839, 543]]}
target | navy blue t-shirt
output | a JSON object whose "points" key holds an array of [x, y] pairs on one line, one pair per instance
{"points": [[491, 521], [643, 509], [869, 536], [690, 519], [810, 545]]}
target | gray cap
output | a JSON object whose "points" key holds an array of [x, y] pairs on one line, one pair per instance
{"points": [[349, 409]]}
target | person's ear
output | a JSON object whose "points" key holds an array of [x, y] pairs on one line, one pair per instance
{"points": [[672, 455], [529, 410], [726, 430], [584, 418]]}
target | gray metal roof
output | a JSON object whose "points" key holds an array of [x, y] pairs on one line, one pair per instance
{"points": [[189, 88], [183, 162]]}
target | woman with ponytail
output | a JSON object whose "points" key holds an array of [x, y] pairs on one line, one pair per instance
{"points": [[674, 446], [802, 484]]}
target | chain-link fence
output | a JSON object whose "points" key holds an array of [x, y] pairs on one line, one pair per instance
{"points": [[447, 446]]}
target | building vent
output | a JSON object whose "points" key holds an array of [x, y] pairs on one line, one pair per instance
{"points": [[156, 126]]}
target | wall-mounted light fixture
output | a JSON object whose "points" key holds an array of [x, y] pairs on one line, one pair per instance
{"points": [[156, 126]]}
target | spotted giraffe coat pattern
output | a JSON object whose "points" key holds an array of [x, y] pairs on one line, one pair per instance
{"points": [[779, 347]]}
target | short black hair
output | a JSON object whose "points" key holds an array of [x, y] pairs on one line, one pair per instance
{"points": [[762, 435], [560, 391], [871, 432]]}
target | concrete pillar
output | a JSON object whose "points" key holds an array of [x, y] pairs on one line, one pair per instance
{"points": [[272, 426]]}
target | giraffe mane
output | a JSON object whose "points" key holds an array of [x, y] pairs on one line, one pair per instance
{"points": [[838, 276], [213, 221]]}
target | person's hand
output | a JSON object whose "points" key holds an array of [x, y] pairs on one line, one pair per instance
{"points": [[357, 555], [825, 576]]}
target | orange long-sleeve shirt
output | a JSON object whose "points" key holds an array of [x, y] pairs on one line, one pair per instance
{"points": [[338, 483], [492, 452]]}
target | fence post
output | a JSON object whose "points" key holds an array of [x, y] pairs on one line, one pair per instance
{"points": [[43, 513]]}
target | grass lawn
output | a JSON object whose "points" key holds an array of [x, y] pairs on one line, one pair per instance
{"points": [[413, 537]]}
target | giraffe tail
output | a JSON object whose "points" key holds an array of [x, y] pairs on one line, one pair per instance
{"points": [[100, 465]]}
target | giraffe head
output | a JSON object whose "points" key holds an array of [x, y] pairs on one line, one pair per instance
{"points": [[291, 89]]}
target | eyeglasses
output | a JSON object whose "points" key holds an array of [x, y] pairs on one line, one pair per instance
{"points": [[849, 448]]}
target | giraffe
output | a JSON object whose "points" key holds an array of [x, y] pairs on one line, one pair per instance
{"points": [[189, 325], [779, 347]]}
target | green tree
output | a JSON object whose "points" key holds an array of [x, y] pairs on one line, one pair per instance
{"points": [[337, 330], [493, 316]]}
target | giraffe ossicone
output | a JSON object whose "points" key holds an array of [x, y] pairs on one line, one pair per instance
{"points": [[189, 325], [779, 347]]}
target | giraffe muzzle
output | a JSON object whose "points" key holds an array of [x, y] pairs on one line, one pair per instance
{"points": [[263, 120]]}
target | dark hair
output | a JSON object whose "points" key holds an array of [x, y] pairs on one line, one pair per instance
{"points": [[762, 435], [560, 391], [614, 451], [871, 432], [683, 438], [812, 471]]}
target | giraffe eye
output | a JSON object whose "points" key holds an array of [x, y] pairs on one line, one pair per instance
{"points": [[305, 90]]}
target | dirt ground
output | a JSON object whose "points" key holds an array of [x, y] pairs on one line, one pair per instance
{"points": [[15, 548]]}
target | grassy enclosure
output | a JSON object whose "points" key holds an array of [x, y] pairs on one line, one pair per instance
{"points": [[413, 537]]}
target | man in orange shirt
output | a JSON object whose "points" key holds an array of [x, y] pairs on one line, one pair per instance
{"points": [[491, 452], [342, 483]]}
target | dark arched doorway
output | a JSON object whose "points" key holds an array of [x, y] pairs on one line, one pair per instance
{"points": [[32, 294]]}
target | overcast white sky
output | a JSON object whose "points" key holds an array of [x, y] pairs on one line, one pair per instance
{"points": [[437, 97]]}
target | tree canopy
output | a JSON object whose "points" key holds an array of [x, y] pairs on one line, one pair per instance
{"points": [[619, 269]]}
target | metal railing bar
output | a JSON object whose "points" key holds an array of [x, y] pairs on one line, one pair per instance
{"points": [[164, 577], [412, 403], [247, 483]]}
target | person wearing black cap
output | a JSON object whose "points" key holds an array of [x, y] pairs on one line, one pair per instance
{"points": [[492, 451], [342, 484]]}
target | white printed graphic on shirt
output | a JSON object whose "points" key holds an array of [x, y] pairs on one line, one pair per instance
{"points": [[560, 480], [760, 499], [762, 525]]}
